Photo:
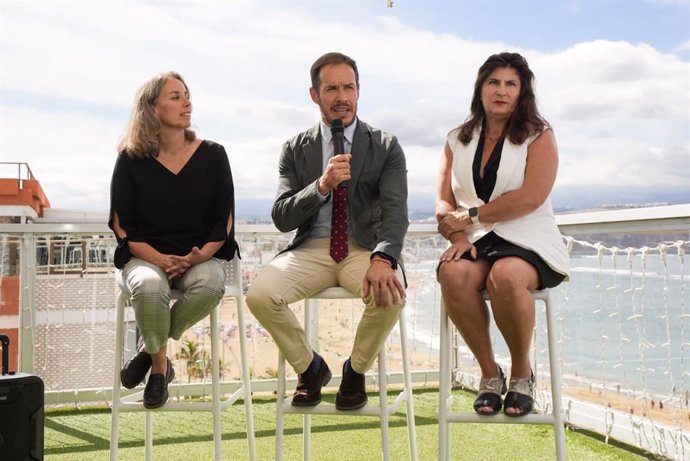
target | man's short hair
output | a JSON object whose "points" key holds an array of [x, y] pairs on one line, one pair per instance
{"points": [[328, 59]]}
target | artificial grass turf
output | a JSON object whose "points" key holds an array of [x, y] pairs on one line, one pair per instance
{"points": [[84, 434]]}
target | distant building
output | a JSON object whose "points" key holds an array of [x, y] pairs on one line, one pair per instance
{"points": [[21, 200], [21, 197]]}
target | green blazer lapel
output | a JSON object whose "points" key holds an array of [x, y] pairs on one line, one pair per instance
{"points": [[313, 155], [360, 147]]}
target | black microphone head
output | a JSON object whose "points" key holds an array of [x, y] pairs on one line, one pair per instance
{"points": [[338, 133], [337, 125]]}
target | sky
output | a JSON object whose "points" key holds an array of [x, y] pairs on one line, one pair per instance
{"points": [[612, 78]]}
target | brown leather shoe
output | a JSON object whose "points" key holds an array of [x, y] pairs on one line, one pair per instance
{"points": [[308, 391], [351, 395]]}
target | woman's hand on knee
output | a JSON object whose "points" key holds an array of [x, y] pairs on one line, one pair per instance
{"points": [[455, 251]]}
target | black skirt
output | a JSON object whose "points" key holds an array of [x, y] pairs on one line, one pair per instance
{"points": [[492, 248]]}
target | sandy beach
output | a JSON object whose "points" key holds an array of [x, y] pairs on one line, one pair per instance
{"points": [[626, 402], [337, 326]]}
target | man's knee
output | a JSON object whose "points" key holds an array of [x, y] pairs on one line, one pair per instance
{"points": [[259, 299], [393, 307], [253, 298]]}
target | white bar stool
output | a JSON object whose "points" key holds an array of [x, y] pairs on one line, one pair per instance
{"points": [[382, 411], [446, 416], [132, 402]]}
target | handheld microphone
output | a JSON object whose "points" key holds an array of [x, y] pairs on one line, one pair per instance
{"points": [[338, 135]]}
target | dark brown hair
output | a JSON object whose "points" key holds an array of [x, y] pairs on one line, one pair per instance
{"points": [[326, 60], [525, 119]]}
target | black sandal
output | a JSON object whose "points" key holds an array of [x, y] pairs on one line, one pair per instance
{"points": [[490, 392], [520, 396]]}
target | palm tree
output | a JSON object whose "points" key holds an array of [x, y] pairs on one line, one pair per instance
{"points": [[198, 360], [194, 357], [271, 373]]}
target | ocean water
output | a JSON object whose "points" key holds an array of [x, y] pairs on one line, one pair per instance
{"points": [[623, 322], [627, 322]]}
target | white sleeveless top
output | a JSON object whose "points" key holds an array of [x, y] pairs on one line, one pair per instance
{"points": [[536, 231]]}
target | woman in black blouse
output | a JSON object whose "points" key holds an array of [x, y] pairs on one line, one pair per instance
{"points": [[172, 203]]}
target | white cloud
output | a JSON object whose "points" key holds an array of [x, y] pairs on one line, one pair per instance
{"points": [[601, 80], [72, 155], [70, 70], [681, 48]]}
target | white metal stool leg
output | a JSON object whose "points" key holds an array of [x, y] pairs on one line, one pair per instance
{"points": [[444, 391], [115, 410], [280, 404], [215, 385], [555, 371], [382, 411], [407, 378], [246, 378], [446, 416], [311, 328], [383, 403], [149, 436]]}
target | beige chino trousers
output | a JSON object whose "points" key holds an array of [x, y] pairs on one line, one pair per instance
{"points": [[304, 271]]}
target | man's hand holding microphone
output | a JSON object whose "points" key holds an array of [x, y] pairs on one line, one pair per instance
{"points": [[337, 172]]}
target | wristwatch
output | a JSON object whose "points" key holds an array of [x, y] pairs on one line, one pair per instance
{"points": [[474, 214]]}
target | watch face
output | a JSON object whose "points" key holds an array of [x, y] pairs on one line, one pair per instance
{"points": [[473, 212]]}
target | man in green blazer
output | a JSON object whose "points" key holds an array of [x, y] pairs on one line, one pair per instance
{"points": [[350, 212]]}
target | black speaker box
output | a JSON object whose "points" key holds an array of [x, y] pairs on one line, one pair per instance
{"points": [[21, 413]]}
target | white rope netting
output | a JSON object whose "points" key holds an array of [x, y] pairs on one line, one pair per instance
{"points": [[623, 318]]}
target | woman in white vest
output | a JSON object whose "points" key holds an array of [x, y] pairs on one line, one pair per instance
{"points": [[493, 206]]}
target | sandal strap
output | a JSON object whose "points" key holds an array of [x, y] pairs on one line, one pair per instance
{"points": [[495, 385], [524, 386]]}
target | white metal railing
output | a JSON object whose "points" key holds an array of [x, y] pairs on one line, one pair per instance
{"points": [[21, 168], [622, 284]]}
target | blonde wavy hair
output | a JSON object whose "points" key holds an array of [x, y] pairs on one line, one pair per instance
{"points": [[142, 137]]}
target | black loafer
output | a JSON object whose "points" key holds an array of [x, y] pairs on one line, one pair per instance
{"points": [[156, 391], [351, 395], [134, 371], [308, 391]]}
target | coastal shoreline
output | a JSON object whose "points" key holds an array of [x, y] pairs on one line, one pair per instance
{"points": [[337, 327]]}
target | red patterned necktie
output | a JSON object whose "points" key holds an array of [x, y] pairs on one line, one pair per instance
{"points": [[339, 225]]}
